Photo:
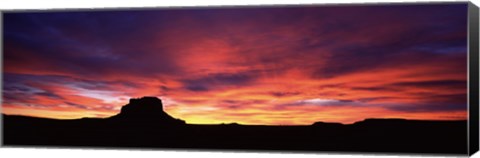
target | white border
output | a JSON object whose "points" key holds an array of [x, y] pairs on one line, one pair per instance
{"points": [[90, 153], [50, 4]]}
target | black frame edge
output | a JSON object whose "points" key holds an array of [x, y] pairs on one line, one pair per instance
{"points": [[473, 108], [1, 74]]}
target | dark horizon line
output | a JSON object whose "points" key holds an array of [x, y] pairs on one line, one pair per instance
{"points": [[236, 123]]}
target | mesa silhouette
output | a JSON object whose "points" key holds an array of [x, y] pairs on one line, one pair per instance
{"points": [[143, 123]]}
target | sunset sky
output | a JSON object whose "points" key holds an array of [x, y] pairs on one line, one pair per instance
{"points": [[250, 65]]}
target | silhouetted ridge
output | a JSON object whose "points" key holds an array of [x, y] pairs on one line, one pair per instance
{"points": [[397, 121], [146, 109], [144, 123], [329, 124]]}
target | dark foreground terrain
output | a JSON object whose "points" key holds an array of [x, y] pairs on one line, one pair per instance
{"points": [[143, 124]]}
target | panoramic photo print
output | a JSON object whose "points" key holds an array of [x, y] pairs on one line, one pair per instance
{"points": [[348, 78]]}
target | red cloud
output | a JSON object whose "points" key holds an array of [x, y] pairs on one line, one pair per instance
{"points": [[246, 65]]}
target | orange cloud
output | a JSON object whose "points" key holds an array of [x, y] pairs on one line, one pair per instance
{"points": [[250, 65]]}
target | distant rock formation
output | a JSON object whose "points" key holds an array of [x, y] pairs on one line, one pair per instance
{"points": [[146, 110], [385, 122], [324, 124]]}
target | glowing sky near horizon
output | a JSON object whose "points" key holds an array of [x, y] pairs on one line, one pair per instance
{"points": [[278, 66]]}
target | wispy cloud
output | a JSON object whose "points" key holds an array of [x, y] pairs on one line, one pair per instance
{"points": [[250, 65], [323, 102]]}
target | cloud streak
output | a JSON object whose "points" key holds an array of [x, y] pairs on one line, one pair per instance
{"points": [[282, 65]]}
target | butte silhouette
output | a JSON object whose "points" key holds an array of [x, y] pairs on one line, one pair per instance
{"points": [[143, 123]]}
